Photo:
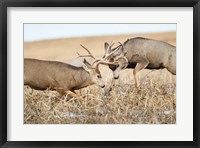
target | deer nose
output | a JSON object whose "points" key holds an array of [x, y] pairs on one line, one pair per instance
{"points": [[103, 86], [116, 77]]}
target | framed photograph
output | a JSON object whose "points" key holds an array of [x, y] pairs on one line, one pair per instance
{"points": [[106, 74]]}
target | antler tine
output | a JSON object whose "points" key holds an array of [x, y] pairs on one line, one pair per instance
{"points": [[121, 44], [110, 54], [88, 51], [79, 55], [107, 63], [102, 60], [97, 60], [112, 45]]}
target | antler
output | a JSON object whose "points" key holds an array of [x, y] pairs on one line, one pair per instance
{"points": [[84, 55], [120, 44], [105, 63], [111, 53], [97, 60], [116, 60], [107, 55], [90, 54], [111, 44], [108, 48], [121, 57], [114, 51]]}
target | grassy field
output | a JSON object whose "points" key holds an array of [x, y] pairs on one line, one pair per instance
{"points": [[154, 103]]}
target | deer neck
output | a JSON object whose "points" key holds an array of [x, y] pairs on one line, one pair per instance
{"points": [[83, 79]]}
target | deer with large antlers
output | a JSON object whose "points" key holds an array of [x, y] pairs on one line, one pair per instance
{"points": [[64, 78], [140, 53]]}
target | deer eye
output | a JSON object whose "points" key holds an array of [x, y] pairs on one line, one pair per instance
{"points": [[98, 76]]}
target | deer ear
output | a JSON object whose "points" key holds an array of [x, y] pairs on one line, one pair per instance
{"points": [[86, 65], [106, 46], [125, 52]]}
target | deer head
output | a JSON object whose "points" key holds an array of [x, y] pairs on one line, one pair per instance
{"points": [[114, 58], [115, 55], [93, 69], [95, 75]]}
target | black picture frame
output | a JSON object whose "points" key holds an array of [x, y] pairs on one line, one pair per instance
{"points": [[4, 4]]}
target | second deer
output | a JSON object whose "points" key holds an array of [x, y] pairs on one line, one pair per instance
{"points": [[140, 53]]}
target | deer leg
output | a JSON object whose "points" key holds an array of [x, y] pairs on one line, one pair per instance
{"points": [[142, 63], [63, 92], [112, 84], [60, 91], [72, 94], [108, 88]]}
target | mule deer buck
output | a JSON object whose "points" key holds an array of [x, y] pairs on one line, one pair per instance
{"points": [[59, 76], [63, 77], [140, 53]]}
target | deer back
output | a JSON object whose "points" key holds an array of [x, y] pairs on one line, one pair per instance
{"points": [[157, 52], [41, 74]]}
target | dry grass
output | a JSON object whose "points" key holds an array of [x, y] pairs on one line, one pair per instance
{"points": [[154, 103]]}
